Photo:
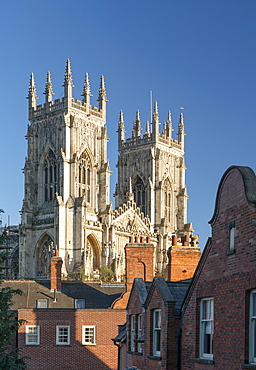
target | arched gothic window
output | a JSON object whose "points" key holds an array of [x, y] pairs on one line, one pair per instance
{"points": [[139, 194], [50, 177], [84, 177], [44, 254], [167, 200]]}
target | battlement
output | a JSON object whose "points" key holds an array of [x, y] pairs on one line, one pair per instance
{"points": [[149, 138], [152, 132], [63, 103], [67, 101]]}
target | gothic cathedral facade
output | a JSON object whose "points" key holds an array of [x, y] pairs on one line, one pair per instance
{"points": [[67, 187]]}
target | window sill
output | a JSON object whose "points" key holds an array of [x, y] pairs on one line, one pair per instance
{"points": [[204, 361], [249, 366], [63, 344], [89, 344], [229, 252], [155, 358], [32, 344], [134, 353]]}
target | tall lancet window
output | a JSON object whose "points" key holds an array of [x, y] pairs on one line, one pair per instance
{"points": [[139, 194], [167, 200], [84, 177], [50, 176], [44, 253]]}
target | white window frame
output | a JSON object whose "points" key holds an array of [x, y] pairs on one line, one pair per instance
{"points": [[232, 229], [91, 328], [139, 332], [157, 332], [252, 328], [58, 335], [132, 333], [206, 327], [31, 335]]}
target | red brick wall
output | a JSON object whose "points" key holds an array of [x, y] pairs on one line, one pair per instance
{"points": [[227, 278], [48, 355]]}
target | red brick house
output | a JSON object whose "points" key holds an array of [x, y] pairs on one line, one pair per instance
{"points": [[153, 324], [219, 312], [150, 338], [68, 329]]}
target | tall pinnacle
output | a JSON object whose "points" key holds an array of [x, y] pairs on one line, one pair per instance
{"points": [[136, 125], [68, 82], [48, 88], [181, 122], [169, 128], [102, 99], [155, 123], [86, 90], [68, 73], [32, 92], [181, 130], [121, 129], [129, 194], [147, 128]]}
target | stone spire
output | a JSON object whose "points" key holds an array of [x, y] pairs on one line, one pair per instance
{"points": [[121, 129], [136, 125], [155, 121], [168, 125], [129, 194], [181, 131], [86, 90], [68, 82], [32, 93], [48, 89], [102, 99]]}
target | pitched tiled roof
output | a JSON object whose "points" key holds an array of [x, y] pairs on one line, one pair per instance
{"points": [[96, 295]]}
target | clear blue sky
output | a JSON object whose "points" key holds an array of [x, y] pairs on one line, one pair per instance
{"points": [[196, 54]]}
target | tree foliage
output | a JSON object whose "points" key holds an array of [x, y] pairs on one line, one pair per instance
{"points": [[9, 356], [106, 273]]}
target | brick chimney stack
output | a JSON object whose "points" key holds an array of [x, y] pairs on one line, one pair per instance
{"points": [[139, 263], [139, 259], [183, 259], [55, 265]]}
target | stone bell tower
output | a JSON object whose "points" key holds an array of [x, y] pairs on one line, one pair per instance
{"points": [[151, 167], [67, 178]]}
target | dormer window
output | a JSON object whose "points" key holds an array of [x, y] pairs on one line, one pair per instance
{"points": [[79, 303], [41, 303]]}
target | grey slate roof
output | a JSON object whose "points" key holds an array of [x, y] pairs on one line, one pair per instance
{"points": [[121, 336], [96, 295], [178, 290]]}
